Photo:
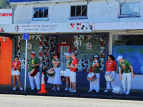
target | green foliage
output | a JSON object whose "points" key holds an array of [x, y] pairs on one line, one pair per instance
{"points": [[4, 4]]}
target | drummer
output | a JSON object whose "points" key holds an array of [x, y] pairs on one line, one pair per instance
{"points": [[16, 65], [67, 71], [34, 62], [111, 67], [57, 78], [94, 67]]}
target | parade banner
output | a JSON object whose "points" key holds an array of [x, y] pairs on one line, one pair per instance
{"points": [[133, 53]]}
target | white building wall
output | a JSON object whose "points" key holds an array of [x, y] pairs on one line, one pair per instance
{"points": [[98, 11], [5, 16]]}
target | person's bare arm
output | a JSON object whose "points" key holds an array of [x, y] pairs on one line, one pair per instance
{"points": [[75, 66], [120, 73], [132, 71]]}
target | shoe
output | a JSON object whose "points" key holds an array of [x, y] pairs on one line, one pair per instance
{"points": [[127, 93], [97, 91], [89, 91], [14, 88], [53, 88], [58, 88], [66, 89], [73, 91], [106, 91], [70, 89], [21, 88], [38, 89], [32, 89], [123, 92]]}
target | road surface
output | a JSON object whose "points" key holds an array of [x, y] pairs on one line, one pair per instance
{"points": [[48, 101]]}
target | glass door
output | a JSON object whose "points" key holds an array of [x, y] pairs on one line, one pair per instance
{"points": [[63, 48]]}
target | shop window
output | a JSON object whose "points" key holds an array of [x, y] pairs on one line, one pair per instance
{"points": [[129, 9], [80, 10], [40, 13]]}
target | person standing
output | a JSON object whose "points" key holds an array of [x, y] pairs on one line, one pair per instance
{"points": [[16, 65], [94, 67], [57, 78], [127, 74], [34, 63], [111, 67], [67, 71], [73, 70]]}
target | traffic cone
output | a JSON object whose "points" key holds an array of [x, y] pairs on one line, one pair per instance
{"points": [[43, 89]]}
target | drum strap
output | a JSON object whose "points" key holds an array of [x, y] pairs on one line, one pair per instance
{"points": [[33, 62], [93, 68]]}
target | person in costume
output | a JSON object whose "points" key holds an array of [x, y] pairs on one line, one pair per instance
{"points": [[16, 65], [73, 70], [57, 78], [94, 67], [34, 63], [67, 71], [111, 67], [127, 74]]}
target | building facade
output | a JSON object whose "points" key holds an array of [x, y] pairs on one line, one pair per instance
{"points": [[86, 27]]}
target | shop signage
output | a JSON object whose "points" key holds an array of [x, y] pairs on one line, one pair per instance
{"points": [[38, 27]]}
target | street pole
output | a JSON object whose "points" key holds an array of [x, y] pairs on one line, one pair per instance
{"points": [[25, 65]]}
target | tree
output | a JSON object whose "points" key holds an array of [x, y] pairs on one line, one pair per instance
{"points": [[4, 4]]}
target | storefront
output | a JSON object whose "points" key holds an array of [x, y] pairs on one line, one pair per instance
{"points": [[46, 39], [85, 45]]}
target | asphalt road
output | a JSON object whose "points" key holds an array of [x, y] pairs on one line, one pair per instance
{"points": [[45, 101]]}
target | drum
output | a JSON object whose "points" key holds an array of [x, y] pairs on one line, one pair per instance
{"points": [[50, 73], [118, 90], [108, 77], [91, 77], [33, 72]]}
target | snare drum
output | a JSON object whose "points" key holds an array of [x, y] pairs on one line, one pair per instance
{"points": [[118, 90], [91, 77], [108, 77], [50, 73], [33, 72]]}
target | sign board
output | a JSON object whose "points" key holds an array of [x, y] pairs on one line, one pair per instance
{"points": [[25, 36]]}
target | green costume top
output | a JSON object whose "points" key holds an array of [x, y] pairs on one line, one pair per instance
{"points": [[69, 61], [125, 66], [96, 69], [56, 61], [32, 62]]}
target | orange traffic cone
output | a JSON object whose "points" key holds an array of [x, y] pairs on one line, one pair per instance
{"points": [[43, 89]]}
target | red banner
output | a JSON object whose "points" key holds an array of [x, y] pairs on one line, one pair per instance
{"points": [[5, 14]]}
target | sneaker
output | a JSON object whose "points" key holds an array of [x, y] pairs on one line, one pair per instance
{"points": [[38, 89], [58, 88], [127, 93], [53, 88], [97, 91], [70, 89], [73, 91], [106, 91], [32, 89], [21, 88], [89, 91], [66, 89], [123, 92], [14, 88]]}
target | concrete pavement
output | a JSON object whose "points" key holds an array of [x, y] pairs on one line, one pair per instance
{"points": [[81, 93]]}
